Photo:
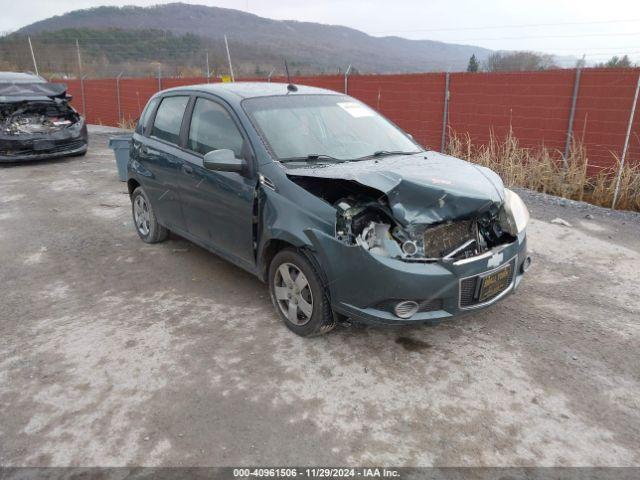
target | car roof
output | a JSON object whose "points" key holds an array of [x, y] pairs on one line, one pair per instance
{"points": [[20, 77], [241, 90]]}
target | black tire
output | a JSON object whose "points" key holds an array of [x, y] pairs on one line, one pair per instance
{"points": [[148, 228], [321, 319]]}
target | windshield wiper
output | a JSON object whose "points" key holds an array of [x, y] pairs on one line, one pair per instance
{"points": [[384, 153], [311, 157]]}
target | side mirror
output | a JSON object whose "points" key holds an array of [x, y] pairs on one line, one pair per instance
{"points": [[223, 160]]}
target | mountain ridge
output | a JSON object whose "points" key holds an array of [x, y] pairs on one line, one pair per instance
{"points": [[318, 47]]}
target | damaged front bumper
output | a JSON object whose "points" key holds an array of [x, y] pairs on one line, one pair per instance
{"points": [[69, 142], [365, 286]]}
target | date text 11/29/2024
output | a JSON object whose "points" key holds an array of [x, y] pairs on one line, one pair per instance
{"points": [[289, 472]]}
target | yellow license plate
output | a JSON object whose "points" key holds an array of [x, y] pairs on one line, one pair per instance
{"points": [[494, 283]]}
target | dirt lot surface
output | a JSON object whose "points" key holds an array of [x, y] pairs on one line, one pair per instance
{"points": [[113, 352]]}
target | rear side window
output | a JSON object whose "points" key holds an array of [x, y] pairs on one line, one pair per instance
{"points": [[144, 118], [166, 125], [212, 128]]}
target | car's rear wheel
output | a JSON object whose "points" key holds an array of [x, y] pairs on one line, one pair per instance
{"points": [[144, 218], [298, 294]]}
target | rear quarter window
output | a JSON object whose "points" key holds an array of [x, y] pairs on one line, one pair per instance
{"points": [[166, 125], [143, 122]]}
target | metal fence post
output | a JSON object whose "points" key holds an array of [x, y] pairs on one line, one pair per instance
{"points": [[208, 70], [118, 96], [346, 80], [159, 76], [626, 144], [84, 108], [445, 113], [572, 116]]}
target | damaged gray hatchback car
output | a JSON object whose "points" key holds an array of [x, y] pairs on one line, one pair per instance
{"points": [[338, 210], [37, 121]]}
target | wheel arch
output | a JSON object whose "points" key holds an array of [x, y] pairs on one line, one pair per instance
{"points": [[268, 251], [132, 184]]}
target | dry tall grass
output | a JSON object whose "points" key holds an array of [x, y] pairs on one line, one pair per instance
{"points": [[127, 124], [543, 170]]}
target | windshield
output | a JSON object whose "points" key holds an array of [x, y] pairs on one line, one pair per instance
{"points": [[325, 128]]}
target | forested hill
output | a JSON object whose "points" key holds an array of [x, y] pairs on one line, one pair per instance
{"points": [[167, 32]]}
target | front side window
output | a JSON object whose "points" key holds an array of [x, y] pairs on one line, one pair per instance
{"points": [[212, 128], [338, 127], [166, 125]]}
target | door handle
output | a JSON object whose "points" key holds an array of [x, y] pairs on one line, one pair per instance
{"points": [[187, 169]]}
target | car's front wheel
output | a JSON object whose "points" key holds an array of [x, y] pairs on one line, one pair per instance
{"points": [[144, 218], [298, 294]]}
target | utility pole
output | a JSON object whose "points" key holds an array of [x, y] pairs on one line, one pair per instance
{"points": [[79, 58], [626, 144], [33, 57], [226, 44], [84, 100]]}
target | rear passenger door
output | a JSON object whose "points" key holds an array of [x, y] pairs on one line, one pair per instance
{"points": [[160, 156], [218, 206]]}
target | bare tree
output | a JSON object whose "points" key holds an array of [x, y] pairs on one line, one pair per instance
{"points": [[519, 61]]}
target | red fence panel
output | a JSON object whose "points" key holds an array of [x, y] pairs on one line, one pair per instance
{"points": [[134, 94], [535, 105], [414, 102], [602, 114], [100, 101]]}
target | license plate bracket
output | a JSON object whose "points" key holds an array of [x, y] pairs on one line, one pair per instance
{"points": [[495, 282], [40, 145]]}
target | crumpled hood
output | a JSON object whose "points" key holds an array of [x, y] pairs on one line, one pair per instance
{"points": [[425, 188], [17, 91]]}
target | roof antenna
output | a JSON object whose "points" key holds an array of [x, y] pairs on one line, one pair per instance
{"points": [[290, 87]]}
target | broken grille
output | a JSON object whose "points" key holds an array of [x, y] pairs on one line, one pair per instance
{"points": [[443, 239]]}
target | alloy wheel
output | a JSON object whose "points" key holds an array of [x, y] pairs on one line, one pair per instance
{"points": [[141, 215], [293, 294]]}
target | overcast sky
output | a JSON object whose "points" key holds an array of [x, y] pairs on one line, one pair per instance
{"points": [[597, 28]]}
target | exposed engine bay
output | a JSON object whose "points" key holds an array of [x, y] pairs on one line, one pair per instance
{"points": [[36, 117], [366, 217], [368, 224]]}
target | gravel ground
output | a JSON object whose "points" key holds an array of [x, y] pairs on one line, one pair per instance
{"points": [[113, 352]]}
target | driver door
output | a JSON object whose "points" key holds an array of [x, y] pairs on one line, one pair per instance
{"points": [[217, 206]]}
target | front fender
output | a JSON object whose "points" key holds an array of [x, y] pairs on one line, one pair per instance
{"points": [[286, 221]]}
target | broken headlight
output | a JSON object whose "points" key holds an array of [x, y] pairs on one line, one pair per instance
{"points": [[514, 216]]}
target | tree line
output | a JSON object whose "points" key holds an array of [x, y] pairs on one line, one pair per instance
{"points": [[522, 61]]}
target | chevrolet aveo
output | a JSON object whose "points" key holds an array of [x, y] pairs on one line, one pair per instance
{"points": [[337, 209]]}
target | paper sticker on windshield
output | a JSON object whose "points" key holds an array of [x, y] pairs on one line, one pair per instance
{"points": [[356, 110]]}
